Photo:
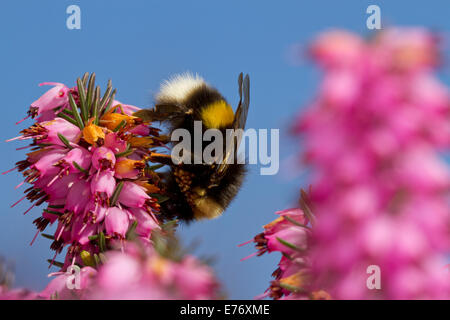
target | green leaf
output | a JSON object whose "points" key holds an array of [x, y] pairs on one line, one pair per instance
{"points": [[110, 102], [80, 168], [291, 288], [65, 141], [131, 231], [66, 117], [120, 125], [155, 167], [304, 206], [97, 259], [85, 78], [56, 206], [90, 91], [102, 257], [75, 111], [48, 236], [102, 241], [95, 104], [93, 238], [295, 222], [106, 96], [125, 153], [289, 245], [116, 193], [82, 96], [53, 212], [55, 263]]}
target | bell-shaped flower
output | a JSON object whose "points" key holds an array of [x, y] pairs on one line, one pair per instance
{"points": [[145, 223], [117, 222], [103, 158], [133, 195], [53, 98], [78, 196], [62, 127], [103, 182]]}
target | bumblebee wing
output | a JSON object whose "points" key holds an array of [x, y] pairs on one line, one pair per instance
{"points": [[240, 119], [162, 112]]}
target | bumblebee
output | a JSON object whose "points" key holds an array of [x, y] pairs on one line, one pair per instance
{"points": [[199, 190]]}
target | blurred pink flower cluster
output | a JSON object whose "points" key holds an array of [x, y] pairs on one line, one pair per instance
{"points": [[88, 165], [137, 273], [288, 234], [374, 138]]}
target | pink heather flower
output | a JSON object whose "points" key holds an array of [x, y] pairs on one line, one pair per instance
{"points": [[103, 182], [17, 294], [114, 143], [63, 127], [338, 49], [74, 173], [78, 196], [194, 279], [59, 189], [144, 274], [58, 288], [293, 235], [80, 156], [82, 230], [103, 158], [379, 183], [57, 97], [95, 212], [133, 195], [141, 130], [117, 222], [121, 271], [414, 50], [289, 234], [146, 223], [46, 164]]}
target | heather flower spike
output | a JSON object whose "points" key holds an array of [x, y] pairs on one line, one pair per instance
{"points": [[79, 169], [373, 138]]}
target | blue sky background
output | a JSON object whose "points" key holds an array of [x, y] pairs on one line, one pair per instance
{"points": [[138, 44]]}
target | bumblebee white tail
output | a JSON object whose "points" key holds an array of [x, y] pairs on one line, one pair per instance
{"points": [[178, 87]]}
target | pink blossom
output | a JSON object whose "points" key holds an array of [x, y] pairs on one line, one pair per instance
{"points": [[133, 195], [376, 170], [103, 158], [58, 288], [103, 182], [57, 97], [17, 294], [117, 222], [146, 223], [78, 196], [80, 156], [63, 127]]}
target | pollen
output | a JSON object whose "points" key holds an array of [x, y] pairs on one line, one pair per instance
{"points": [[113, 120], [218, 114], [92, 133]]}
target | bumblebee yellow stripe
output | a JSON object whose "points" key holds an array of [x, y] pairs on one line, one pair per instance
{"points": [[218, 114]]}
